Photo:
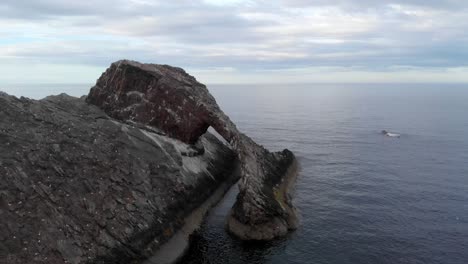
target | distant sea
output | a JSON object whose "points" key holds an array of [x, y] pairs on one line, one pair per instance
{"points": [[362, 197]]}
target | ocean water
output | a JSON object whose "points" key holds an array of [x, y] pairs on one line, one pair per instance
{"points": [[362, 197]]}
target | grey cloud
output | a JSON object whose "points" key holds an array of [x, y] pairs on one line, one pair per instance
{"points": [[196, 35], [28, 9], [44, 9], [365, 4]]}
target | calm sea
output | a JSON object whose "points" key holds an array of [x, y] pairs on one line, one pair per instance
{"points": [[362, 197]]}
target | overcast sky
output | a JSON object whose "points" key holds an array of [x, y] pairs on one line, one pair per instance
{"points": [[237, 41]]}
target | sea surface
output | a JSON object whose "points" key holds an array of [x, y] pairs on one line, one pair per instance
{"points": [[362, 197]]}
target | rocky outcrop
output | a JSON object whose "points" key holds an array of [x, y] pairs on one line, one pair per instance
{"points": [[78, 186], [172, 101], [127, 173]]}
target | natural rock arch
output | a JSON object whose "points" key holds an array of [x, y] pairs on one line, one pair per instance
{"points": [[169, 99]]}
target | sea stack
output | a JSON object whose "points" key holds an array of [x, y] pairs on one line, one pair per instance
{"points": [[173, 102]]}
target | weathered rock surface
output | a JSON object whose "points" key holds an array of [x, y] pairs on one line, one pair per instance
{"points": [[172, 101], [76, 186]]}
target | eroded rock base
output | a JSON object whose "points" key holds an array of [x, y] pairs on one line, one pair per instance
{"points": [[276, 226]]}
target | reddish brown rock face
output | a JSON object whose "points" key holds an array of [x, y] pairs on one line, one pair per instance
{"points": [[169, 99], [157, 95]]}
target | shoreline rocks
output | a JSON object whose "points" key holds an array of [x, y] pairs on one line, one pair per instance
{"points": [[273, 226], [127, 173], [174, 250], [80, 187], [174, 102]]}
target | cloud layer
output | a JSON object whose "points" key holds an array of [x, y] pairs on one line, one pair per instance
{"points": [[240, 38]]}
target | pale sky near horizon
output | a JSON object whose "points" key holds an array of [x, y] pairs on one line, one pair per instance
{"points": [[237, 41]]}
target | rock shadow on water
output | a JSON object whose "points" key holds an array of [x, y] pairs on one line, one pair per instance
{"points": [[230, 250]]}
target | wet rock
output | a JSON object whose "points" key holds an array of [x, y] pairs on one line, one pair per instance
{"points": [[172, 101]]}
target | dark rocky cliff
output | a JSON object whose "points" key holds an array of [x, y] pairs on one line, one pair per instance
{"points": [[129, 171], [80, 187], [169, 99]]}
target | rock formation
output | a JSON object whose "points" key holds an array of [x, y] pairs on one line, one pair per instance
{"points": [[80, 187], [172, 101], [125, 174]]}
